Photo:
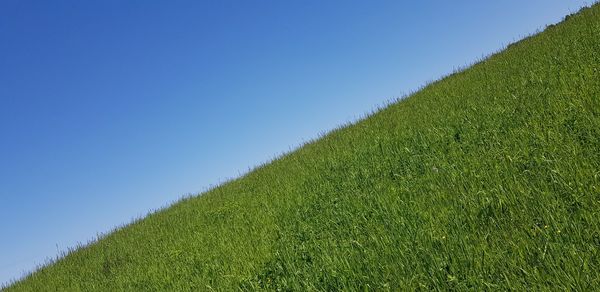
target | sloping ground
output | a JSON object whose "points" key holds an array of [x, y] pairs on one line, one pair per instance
{"points": [[489, 178]]}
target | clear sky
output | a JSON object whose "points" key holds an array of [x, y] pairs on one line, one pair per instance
{"points": [[110, 109]]}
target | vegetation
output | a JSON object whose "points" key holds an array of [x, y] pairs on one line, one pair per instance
{"points": [[486, 179]]}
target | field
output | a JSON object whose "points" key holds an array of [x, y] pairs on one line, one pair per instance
{"points": [[486, 179]]}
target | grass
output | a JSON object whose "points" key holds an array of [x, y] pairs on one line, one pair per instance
{"points": [[486, 179]]}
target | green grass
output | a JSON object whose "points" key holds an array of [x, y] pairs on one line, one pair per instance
{"points": [[486, 179]]}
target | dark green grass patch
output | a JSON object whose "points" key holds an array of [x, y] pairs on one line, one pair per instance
{"points": [[486, 179]]}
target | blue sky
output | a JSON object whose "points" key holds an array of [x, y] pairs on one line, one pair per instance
{"points": [[110, 109]]}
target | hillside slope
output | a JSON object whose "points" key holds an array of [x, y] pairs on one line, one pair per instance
{"points": [[488, 178]]}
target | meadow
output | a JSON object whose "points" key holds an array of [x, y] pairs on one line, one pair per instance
{"points": [[487, 179]]}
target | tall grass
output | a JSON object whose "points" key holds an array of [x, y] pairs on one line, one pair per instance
{"points": [[486, 179]]}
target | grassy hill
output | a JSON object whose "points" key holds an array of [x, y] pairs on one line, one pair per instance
{"points": [[486, 179]]}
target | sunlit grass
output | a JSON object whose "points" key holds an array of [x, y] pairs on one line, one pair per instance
{"points": [[486, 179]]}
